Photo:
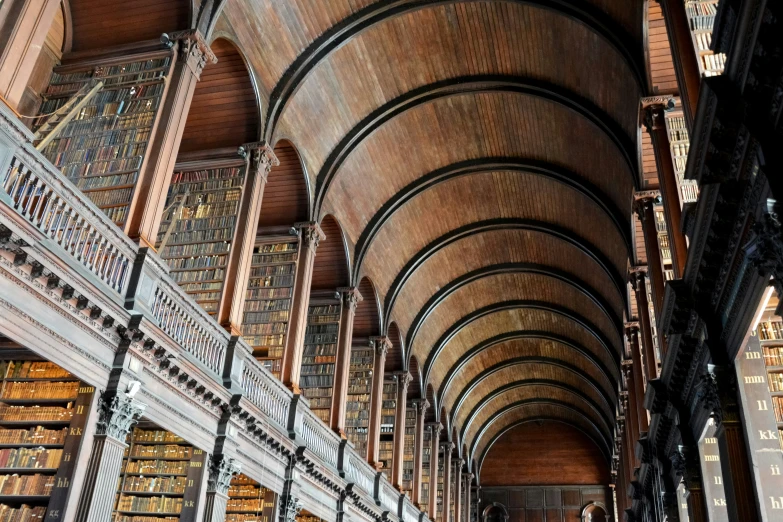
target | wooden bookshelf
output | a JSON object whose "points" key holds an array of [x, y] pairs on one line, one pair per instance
{"points": [[320, 352], [357, 408], [701, 16], [388, 410], [43, 413], [679, 143], [160, 479], [306, 516], [268, 298], [439, 492], [102, 149], [249, 501], [198, 225], [771, 338], [425, 469], [408, 451]]}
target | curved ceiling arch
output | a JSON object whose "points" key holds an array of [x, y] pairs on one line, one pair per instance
{"points": [[606, 435], [465, 358], [486, 373], [600, 443], [467, 85], [499, 164], [511, 391], [583, 12], [507, 268]]}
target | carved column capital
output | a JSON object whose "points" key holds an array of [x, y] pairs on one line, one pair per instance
{"points": [[291, 509], [435, 429], [632, 327], [685, 461], [765, 249], [405, 379], [350, 296], [448, 447], [381, 345], [642, 199], [653, 117], [260, 156], [192, 48], [420, 405], [116, 417], [221, 470], [312, 235]]}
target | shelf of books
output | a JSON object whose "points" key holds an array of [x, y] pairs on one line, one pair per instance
{"points": [[103, 147], [701, 15], [425, 469], [388, 411], [357, 406], [680, 143], [771, 337], [249, 501], [43, 412], [268, 298], [160, 479], [306, 516], [439, 492], [320, 352], [409, 447], [198, 224], [453, 489]]}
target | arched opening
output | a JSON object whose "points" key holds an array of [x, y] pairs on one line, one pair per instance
{"points": [[286, 198], [495, 512], [594, 513], [324, 314]]}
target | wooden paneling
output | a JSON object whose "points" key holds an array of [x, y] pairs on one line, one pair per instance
{"points": [[649, 167], [330, 270], [414, 390], [431, 412], [463, 39], [103, 23], [561, 503], [540, 454], [505, 321], [394, 359], [661, 65], [367, 321], [224, 111], [286, 198], [505, 287], [496, 247]]}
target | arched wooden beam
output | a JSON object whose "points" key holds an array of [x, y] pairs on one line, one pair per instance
{"points": [[516, 361], [481, 227], [551, 402], [472, 85], [512, 268], [579, 10], [534, 382], [510, 336], [602, 445]]}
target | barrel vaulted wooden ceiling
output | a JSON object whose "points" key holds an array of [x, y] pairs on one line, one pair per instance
{"points": [[478, 160]]}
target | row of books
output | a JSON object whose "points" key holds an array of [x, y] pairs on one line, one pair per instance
{"points": [[155, 436], [76, 170], [196, 287], [98, 140], [276, 247], [186, 277], [159, 467], [205, 185], [23, 513], [268, 293], [317, 369], [326, 338], [318, 402], [190, 263], [273, 365], [770, 330], [195, 250], [263, 340], [358, 401], [108, 152], [101, 126], [36, 413], [777, 404], [207, 210], [150, 504], [239, 489], [155, 484], [714, 62], [773, 355], [34, 390], [117, 214], [265, 328], [137, 518], [34, 370], [267, 305], [191, 236], [106, 72], [246, 517], [30, 458], [274, 258], [37, 435], [168, 451], [326, 310], [271, 282], [106, 198], [775, 382], [195, 180], [211, 197], [320, 349], [317, 381], [245, 504], [207, 223], [28, 485]]}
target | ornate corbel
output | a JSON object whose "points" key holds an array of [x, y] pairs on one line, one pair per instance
{"points": [[261, 157], [312, 235], [192, 48], [351, 296]]}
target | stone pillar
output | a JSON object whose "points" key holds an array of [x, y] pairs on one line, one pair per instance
{"points": [[311, 236], [632, 330], [639, 283], [720, 393], [260, 160], [115, 418], [434, 445], [643, 205], [23, 28], [458, 491], [686, 66], [686, 463], [655, 123], [404, 380], [381, 347], [631, 416], [221, 470], [448, 447], [149, 199], [351, 298], [468, 502], [420, 406]]}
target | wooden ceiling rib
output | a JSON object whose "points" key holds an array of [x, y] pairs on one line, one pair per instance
{"points": [[105, 23], [286, 198], [480, 158], [224, 111], [330, 269], [662, 76]]}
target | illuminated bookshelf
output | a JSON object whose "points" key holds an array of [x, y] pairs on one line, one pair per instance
{"points": [[320, 352], [408, 451], [388, 411], [249, 501]]}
